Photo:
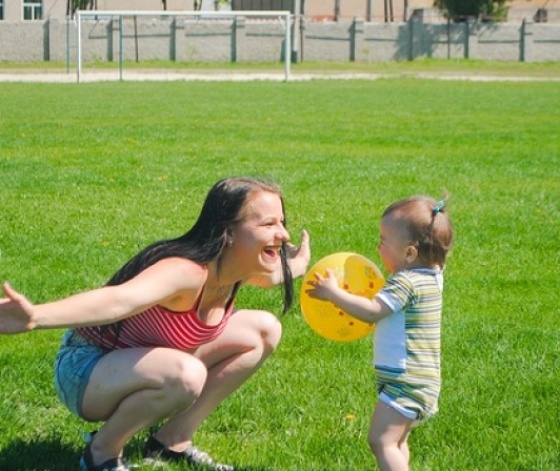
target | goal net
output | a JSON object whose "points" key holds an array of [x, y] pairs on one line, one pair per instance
{"points": [[185, 36]]}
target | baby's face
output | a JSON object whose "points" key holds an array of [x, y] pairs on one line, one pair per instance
{"points": [[394, 245]]}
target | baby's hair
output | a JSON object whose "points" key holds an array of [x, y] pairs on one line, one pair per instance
{"points": [[428, 226]]}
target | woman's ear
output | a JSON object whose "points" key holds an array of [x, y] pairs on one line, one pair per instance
{"points": [[229, 239]]}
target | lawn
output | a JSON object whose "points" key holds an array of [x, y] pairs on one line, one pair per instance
{"points": [[93, 172]]}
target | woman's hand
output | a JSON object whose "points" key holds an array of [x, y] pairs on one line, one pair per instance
{"points": [[299, 257], [16, 312]]}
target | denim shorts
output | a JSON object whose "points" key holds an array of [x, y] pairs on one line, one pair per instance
{"points": [[73, 366]]}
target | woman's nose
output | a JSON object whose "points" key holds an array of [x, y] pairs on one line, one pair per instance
{"points": [[283, 234]]}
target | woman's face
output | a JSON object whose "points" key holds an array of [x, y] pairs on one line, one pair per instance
{"points": [[257, 239]]}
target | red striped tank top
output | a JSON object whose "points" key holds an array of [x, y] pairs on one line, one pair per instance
{"points": [[158, 327]]}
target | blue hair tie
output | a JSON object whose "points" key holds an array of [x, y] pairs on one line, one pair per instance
{"points": [[438, 207]]}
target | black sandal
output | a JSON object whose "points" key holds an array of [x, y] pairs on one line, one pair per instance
{"points": [[113, 464], [154, 452]]}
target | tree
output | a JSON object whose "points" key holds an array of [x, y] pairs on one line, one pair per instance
{"points": [[217, 3], [73, 5], [460, 10]]}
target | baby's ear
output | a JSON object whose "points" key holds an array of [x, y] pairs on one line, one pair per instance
{"points": [[411, 253]]}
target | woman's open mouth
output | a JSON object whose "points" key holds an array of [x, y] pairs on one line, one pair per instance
{"points": [[272, 252]]}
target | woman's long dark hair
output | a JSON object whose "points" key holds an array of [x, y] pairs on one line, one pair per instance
{"points": [[206, 240]]}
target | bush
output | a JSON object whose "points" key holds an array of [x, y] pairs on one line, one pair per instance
{"points": [[460, 10]]}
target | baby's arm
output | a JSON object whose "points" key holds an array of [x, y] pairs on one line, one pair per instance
{"points": [[327, 289]]}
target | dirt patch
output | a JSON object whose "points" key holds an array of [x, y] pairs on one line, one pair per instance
{"points": [[219, 76]]}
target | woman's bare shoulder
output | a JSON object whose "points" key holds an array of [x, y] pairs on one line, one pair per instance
{"points": [[186, 272], [180, 278]]}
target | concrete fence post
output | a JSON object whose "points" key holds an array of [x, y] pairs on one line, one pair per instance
{"points": [[471, 38], [526, 41], [239, 38], [113, 43], [357, 43], [173, 39], [415, 36], [302, 28], [180, 40], [46, 39]]}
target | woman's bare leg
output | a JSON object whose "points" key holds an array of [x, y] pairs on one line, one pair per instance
{"points": [[247, 341], [131, 389]]}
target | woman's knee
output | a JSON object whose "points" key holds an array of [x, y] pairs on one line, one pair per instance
{"points": [[186, 379], [270, 330]]}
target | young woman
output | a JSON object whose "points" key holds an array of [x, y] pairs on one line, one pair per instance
{"points": [[162, 341]]}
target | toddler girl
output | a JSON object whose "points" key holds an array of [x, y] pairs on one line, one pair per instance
{"points": [[416, 235]]}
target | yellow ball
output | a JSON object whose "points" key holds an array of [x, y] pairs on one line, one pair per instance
{"points": [[354, 273]]}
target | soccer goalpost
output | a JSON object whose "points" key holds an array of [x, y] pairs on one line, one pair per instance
{"points": [[285, 18]]}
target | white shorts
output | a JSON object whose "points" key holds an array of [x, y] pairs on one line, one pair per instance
{"points": [[405, 411]]}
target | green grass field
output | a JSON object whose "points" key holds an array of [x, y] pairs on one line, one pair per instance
{"points": [[90, 173]]}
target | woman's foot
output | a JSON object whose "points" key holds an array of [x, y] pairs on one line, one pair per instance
{"points": [[156, 451], [113, 464]]}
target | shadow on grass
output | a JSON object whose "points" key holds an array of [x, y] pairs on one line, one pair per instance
{"points": [[45, 455], [52, 455]]}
